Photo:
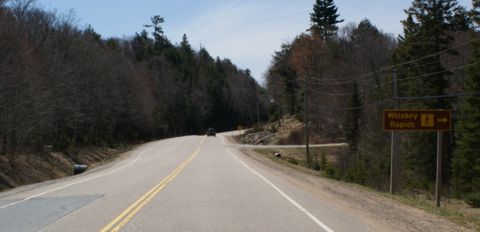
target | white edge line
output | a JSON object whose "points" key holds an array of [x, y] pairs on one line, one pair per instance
{"points": [[74, 183], [301, 208]]}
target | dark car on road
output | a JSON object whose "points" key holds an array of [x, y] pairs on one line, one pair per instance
{"points": [[211, 132]]}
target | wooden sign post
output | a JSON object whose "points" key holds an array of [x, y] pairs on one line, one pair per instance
{"points": [[419, 120]]}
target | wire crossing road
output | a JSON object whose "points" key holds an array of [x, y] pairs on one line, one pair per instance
{"points": [[191, 183]]}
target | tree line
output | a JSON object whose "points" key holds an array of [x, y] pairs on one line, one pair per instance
{"points": [[349, 75], [65, 86]]}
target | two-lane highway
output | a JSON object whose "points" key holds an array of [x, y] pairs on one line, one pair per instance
{"points": [[191, 183]]}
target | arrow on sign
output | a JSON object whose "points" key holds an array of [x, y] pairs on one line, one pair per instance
{"points": [[443, 120]]}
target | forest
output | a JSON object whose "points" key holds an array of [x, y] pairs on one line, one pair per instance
{"points": [[346, 76], [63, 86]]}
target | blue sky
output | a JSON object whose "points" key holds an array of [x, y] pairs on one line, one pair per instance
{"points": [[247, 31]]}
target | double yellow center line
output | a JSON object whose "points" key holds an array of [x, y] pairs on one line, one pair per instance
{"points": [[119, 222]]}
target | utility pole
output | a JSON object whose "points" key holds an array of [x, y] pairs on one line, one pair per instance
{"points": [[307, 145], [394, 156]]}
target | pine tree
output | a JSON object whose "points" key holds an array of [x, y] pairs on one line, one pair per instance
{"points": [[185, 44], [282, 74], [427, 31], [161, 41], [461, 20], [142, 46], [406, 42], [475, 12], [324, 19], [466, 158], [433, 19], [186, 52], [157, 22]]}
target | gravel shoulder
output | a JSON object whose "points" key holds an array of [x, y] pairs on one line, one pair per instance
{"points": [[379, 208]]}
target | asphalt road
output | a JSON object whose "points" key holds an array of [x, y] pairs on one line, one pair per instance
{"points": [[191, 183]]}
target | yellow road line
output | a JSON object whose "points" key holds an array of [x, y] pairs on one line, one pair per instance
{"points": [[133, 209]]}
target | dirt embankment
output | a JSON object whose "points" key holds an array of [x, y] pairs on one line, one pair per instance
{"points": [[33, 168], [286, 131]]}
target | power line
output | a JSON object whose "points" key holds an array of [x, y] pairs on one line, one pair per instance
{"points": [[439, 72], [439, 96], [322, 82], [436, 53], [391, 81], [350, 93], [337, 94], [388, 99], [353, 80], [392, 98], [386, 83], [350, 108], [360, 78]]}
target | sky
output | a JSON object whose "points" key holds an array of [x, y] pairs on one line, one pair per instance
{"points": [[248, 32]]}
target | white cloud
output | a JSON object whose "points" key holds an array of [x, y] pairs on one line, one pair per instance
{"points": [[246, 32]]}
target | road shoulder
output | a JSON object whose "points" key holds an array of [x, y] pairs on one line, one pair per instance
{"points": [[366, 203]]}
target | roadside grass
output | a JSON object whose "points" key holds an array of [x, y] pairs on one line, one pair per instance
{"points": [[454, 210]]}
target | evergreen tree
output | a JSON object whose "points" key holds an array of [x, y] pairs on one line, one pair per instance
{"points": [[282, 75], [427, 31], [157, 21], [461, 20], [433, 20], [142, 45], [90, 31], [288, 77], [324, 19], [187, 54], [161, 41], [466, 159], [407, 40], [186, 45], [475, 12]]}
